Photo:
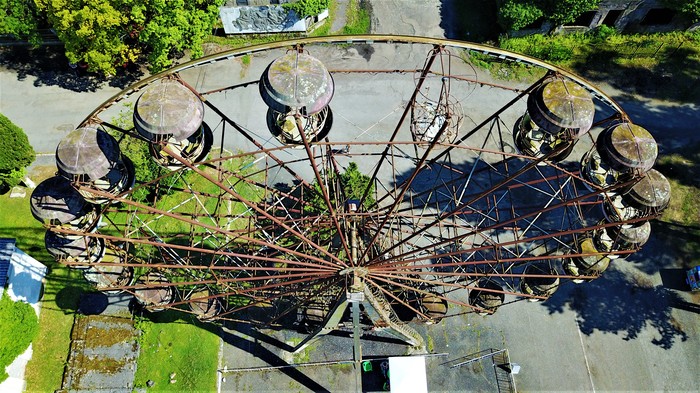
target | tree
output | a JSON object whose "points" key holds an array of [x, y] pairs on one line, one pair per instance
{"points": [[15, 153], [19, 18], [93, 31], [566, 11], [691, 8], [516, 14], [353, 184], [305, 8], [106, 34], [18, 327], [173, 26]]}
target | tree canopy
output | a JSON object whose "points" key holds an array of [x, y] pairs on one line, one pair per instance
{"points": [[688, 7], [20, 19], [16, 154], [516, 14], [305, 8], [105, 34]]}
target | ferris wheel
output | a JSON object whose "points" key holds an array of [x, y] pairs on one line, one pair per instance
{"points": [[405, 181]]}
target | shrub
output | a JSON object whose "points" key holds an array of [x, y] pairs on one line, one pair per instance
{"points": [[516, 14], [16, 154], [18, 327], [305, 8], [691, 8]]}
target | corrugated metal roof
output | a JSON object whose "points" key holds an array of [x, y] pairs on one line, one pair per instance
{"points": [[7, 248]]}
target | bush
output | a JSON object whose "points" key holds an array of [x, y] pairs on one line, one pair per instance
{"points": [[305, 8], [16, 154], [353, 183], [18, 327], [691, 8], [551, 49], [516, 14]]}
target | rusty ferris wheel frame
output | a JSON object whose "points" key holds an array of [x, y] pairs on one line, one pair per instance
{"points": [[457, 207]]}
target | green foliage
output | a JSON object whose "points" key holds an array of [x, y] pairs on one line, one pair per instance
{"points": [[176, 25], [137, 150], [106, 34], [357, 18], [601, 33], [18, 327], [566, 11], [516, 14], [171, 343], [305, 8], [541, 47], [92, 31], [19, 18], [16, 154], [353, 184], [689, 7]]}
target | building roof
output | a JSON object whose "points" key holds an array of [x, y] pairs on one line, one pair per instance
{"points": [[7, 248]]}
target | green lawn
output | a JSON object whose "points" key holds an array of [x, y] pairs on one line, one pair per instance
{"points": [[680, 222], [173, 342], [664, 65], [62, 290]]}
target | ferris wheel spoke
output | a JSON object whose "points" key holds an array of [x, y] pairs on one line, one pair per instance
{"points": [[255, 207], [426, 68], [324, 188], [267, 298], [424, 292], [397, 299], [304, 299]]}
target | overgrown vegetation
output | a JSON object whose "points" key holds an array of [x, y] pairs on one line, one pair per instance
{"points": [[681, 220], [16, 154], [691, 8], [358, 18], [172, 343], [106, 34], [305, 8], [517, 14], [18, 327], [352, 183], [20, 19], [664, 65]]}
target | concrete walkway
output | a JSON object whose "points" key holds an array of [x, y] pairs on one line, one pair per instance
{"points": [[339, 19]]}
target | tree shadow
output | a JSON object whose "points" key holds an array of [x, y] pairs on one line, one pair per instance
{"points": [[616, 304], [68, 298], [469, 20], [676, 76], [253, 346], [49, 65]]}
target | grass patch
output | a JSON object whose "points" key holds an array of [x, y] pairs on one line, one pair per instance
{"points": [[325, 28], [663, 65], [173, 343], [61, 293], [358, 18], [680, 222]]}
